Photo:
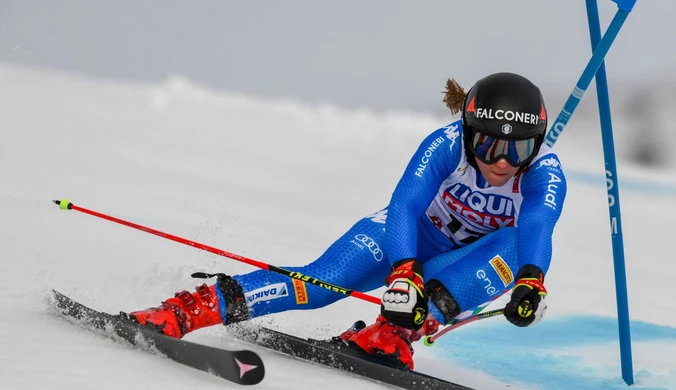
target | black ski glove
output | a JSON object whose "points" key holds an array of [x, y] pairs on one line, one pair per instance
{"points": [[405, 302], [527, 305]]}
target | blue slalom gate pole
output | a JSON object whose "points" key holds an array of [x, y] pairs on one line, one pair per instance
{"points": [[613, 193], [595, 67], [595, 62]]}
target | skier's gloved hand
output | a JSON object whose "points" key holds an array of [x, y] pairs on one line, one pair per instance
{"points": [[405, 302], [527, 305]]}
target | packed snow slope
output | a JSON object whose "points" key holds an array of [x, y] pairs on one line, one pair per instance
{"points": [[279, 181]]}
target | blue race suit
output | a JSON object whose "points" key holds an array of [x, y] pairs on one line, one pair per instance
{"points": [[470, 236]]}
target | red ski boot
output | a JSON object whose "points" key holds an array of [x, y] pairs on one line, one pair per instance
{"points": [[182, 313], [186, 312], [387, 339]]}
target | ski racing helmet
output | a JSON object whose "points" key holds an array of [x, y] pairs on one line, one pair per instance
{"points": [[503, 116]]}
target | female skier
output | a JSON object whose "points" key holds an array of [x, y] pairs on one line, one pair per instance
{"points": [[472, 217]]}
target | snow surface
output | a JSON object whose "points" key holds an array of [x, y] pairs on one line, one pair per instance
{"points": [[279, 181]]}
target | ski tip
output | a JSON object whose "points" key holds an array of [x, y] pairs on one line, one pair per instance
{"points": [[56, 297], [64, 204], [250, 367]]}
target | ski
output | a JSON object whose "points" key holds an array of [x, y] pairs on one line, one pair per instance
{"points": [[242, 367], [345, 359]]}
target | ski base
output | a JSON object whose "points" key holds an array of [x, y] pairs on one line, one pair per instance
{"points": [[241, 367], [345, 359]]}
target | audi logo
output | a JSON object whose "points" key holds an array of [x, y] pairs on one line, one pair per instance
{"points": [[372, 245]]}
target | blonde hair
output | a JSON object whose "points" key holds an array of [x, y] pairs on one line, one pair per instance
{"points": [[454, 97]]}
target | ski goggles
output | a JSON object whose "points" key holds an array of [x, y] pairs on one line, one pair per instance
{"points": [[490, 150]]}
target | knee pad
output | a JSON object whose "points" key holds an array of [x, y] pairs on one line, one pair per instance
{"points": [[442, 299], [236, 309]]}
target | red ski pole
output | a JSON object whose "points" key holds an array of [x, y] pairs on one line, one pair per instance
{"points": [[66, 205], [429, 340]]}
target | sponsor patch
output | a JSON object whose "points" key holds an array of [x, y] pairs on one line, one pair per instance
{"points": [[266, 293], [550, 197], [362, 240], [452, 133], [502, 269], [427, 154], [490, 289], [508, 115], [549, 162], [300, 291], [378, 216]]}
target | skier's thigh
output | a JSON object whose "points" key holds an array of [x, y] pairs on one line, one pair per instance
{"points": [[479, 272], [355, 261]]}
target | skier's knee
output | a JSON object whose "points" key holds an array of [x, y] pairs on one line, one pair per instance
{"points": [[443, 300]]}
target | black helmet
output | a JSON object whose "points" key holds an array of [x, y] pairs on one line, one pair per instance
{"points": [[504, 107]]}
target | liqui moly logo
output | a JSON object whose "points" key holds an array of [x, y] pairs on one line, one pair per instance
{"points": [[489, 210]]}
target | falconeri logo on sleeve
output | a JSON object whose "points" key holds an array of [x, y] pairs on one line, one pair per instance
{"points": [[502, 269]]}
